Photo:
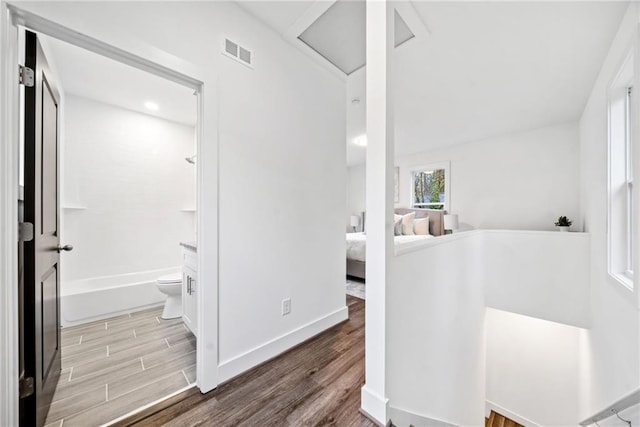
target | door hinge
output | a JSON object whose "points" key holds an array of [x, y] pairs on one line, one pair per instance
{"points": [[26, 387], [27, 77], [25, 232]]}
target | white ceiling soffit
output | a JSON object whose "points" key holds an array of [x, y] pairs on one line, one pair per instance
{"points": [[89, 75], [339, 35]]}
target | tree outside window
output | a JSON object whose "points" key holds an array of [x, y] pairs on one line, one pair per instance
{"points": [[429, 189]]}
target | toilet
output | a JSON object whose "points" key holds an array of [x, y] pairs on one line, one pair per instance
{"points": [[171, 286]]}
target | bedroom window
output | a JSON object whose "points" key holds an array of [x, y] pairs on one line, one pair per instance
{"points": [[621, 204], [429, 186]]}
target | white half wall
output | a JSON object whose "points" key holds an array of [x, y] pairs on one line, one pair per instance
{"points": [[519, 181], [612, 361], [437, 364], [125, 187], [435, 331]]}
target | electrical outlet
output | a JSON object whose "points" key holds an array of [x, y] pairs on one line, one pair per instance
{"points": [[286, 306]]}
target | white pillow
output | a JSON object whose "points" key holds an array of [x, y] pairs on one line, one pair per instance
{"points": [[421, 226], [407, 224]]}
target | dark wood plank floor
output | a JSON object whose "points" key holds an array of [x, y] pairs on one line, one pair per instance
{"points": [[315, 384]]}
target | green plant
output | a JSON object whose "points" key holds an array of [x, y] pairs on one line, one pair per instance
{"points": [[563, 221]]}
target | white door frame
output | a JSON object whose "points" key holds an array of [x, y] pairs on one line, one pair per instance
{"points": [[204, 82]]}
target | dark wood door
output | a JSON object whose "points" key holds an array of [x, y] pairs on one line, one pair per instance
{"points": [[41, 311]]}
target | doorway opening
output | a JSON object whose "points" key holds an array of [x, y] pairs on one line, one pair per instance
{"points": [[113, 182]]}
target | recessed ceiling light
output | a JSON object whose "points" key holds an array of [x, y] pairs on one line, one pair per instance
{"points": [[151, 106], [360, 141], [355, 101]]}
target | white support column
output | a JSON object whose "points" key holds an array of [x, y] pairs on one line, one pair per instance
{"points": [[380, 37]]}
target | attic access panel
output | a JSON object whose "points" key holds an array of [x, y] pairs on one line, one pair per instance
{"points": [[339, 35]]}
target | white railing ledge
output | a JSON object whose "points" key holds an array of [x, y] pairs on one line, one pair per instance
{"points": [[409, 247], [560, 234], [625, 402]]}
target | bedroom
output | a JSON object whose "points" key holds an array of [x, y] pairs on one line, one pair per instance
{"points": [[456, 114]]}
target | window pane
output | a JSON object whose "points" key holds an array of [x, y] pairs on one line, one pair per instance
{"points": [[428, 188], [621, 223]]}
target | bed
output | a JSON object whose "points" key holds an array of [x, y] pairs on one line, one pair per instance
{"points": [[356, 242]]}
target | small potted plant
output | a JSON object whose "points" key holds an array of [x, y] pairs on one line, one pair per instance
{"points": [[563, 223]]}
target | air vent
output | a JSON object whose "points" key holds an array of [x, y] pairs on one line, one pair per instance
{"points": [[231, 48], [235, 51], [245, 55]]}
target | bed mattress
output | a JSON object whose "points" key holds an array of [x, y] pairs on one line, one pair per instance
{"points": [[357, 242]]}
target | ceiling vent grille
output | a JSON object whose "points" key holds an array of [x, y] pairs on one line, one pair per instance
{"points": [[234, 51]]}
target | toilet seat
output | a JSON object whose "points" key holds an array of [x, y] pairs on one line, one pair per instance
{"points": [[170, 279]]}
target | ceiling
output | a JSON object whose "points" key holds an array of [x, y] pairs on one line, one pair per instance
{"points": [[83, 73], [339, 35], [485, 68]]}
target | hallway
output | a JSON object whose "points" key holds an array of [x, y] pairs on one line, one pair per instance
{"points": [[316, 383]]}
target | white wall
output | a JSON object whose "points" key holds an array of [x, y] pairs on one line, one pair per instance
{"points": [[435, 332], [532, 366], [282, 191], [520, 181], [127, 174], [282, 177], [356, 193], [540, 274], [612, 365]]}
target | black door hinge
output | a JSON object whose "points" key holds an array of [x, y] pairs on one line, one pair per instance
{"points": [[26, 387], [25, 232]]}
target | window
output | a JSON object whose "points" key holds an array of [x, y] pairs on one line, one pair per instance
{"points": [[429, 186], [621, 221], [628, 186]]}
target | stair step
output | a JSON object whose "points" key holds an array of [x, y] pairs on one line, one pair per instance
{"points": [[498, 420]]}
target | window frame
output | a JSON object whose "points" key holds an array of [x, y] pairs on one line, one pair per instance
{"points": [[621, 221], [631, 226], [447, 184]]}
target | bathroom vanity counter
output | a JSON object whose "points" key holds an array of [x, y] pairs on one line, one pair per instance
{"points": [[190, 245]]}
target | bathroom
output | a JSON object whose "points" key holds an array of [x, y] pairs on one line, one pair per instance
{"points": [[127, 215]]}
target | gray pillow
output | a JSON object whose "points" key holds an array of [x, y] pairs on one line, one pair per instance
{"points": [[397, 227]]}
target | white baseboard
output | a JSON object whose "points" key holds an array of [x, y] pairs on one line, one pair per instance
{"points": [[491, 406], [233, 367], [374, 405], [404, 418]]}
